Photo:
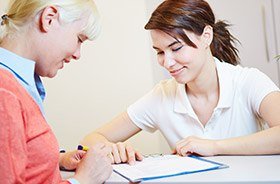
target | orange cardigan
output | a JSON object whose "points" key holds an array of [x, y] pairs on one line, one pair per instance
{"points": [[29, 151]]}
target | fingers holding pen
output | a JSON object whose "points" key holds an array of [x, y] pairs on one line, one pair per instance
{"points": [[95, 165]]}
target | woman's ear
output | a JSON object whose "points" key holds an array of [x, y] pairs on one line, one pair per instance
{"points": [[207, 35], [48, 17]]}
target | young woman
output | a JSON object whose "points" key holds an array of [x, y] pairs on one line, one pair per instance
{"points": [[37, 38], [211, 106]]}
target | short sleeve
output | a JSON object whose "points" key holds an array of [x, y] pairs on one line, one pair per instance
{"points": [[257, 86], [143, 111], [13, 142]]}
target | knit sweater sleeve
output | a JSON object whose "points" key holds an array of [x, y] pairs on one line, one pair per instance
{"points": [[13, 148]]}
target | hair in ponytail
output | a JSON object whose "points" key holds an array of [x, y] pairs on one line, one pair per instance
{"points": [[222, 46], [175, 16]]}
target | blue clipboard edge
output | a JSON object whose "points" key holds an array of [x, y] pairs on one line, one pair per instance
{"points": [[220, 166]]}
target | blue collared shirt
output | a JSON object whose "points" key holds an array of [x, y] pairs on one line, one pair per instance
{"points": [[24, 71]]}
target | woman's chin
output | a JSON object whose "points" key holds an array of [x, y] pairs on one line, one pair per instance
{"points": [[52, 74], [180, 80]]}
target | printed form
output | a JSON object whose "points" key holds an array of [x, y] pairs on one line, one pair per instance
{"points": [[165, 166]]}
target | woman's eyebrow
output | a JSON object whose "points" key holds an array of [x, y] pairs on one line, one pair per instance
{"points": [[173, 43]]}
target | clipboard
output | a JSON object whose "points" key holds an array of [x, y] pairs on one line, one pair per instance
{"points": [[155, 167]]}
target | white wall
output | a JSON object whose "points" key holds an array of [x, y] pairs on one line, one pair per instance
{"points": [[3, 6], [246, 17]]}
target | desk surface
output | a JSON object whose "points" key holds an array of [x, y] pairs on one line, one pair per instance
{"points": [[242, 169]]}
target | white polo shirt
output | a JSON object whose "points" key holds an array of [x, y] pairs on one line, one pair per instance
{"points": [[167, 107]]}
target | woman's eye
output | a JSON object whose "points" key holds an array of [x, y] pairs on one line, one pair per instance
{"points": [[159, 52], [178, 48], [80, 40]]}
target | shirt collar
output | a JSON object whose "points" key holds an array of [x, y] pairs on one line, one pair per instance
{"points": [[182, 103], [23, 68], [224, 71]]}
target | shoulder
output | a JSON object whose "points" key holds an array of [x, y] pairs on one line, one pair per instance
{"points": [[241, 76], [253, 86], [247, 72], [166, 87], [7, 79], [10, 86], [230, 70], [251, 77]]}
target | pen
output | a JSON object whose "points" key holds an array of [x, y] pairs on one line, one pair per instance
{"points": [[81, 147]]}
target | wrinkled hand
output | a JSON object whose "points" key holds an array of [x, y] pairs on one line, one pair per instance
{"points": [[71, 159], [195, 145], [95, 166], [123, 153]]}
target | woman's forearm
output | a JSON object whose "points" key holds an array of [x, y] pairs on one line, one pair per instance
{"points": [[263, 142], [93, 138]]}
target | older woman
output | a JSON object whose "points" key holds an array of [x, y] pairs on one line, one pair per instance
{"points": [[37, 38]]}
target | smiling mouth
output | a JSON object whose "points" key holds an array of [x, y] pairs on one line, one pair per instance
{"points": [[175, 72]]}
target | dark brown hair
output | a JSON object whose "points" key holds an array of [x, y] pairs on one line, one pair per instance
{"points": [[175, 16]]}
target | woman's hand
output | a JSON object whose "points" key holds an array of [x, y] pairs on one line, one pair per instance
{"points": [[195, 145], [71, 159], [95, 167], [123, 153]]}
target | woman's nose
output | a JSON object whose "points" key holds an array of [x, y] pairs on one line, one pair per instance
{"points": [[168, 61], [77, 54]]}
